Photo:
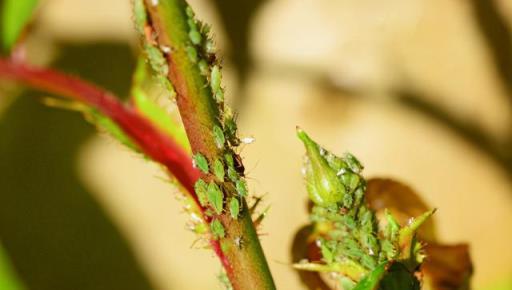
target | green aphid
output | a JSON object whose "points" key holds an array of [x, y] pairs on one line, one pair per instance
{"points": [[230, 125], [219, 96], [189, 11], [232, 174], [392, 227], [201, 189], [215, 197], [228, 157], [218, 135], [209, 47], [353, 163], [218, 169], [195, 36], [350, 180], [324, 187], [217, 229], [200, 162], [215, 78], [192, 54], [192, 24], [203, 67], [241, 187], [234, 208], [200, 228], [327, 254]]}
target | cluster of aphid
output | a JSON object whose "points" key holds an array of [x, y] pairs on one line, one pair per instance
{"points": [[347, 230], [222, 173], [227, 170]]}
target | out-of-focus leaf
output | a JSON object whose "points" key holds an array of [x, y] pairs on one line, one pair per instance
{"points": [[448, 267], [110, 127], [8, 280], [401, 201], [15, 15], [93, 116], [397, 277], [142, 80], [303, 247], [372, 280]]}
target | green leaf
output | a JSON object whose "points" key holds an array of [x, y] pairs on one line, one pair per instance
{"points": [[15, 15], [8, 279], [110, 127], [150, 109], [373, 279]]}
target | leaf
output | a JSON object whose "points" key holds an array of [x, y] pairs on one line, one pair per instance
{"points": [[142, 81], [8, 279], [110, 127], [402, 202], [301, 249], [447, 267], [15, 15], [373, 279]]}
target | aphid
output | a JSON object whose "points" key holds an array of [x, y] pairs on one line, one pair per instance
{"points": [[209, 47], [203, 67], [215, 78], [239, 166], [232, 174], [201, 189], [165, 49], [192, 54], [239, 242], [218, 135], [199, 161], [248, 140], [234, 208], [215, 197], [241, 187], [154, 2], [195, 36], [217, 229], [218, 169], [229, 160], [219, 96], [353, 163], [189, 11], [230, 125]]}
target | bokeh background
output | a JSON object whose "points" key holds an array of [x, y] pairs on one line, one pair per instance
{"points": [[419, 90]]}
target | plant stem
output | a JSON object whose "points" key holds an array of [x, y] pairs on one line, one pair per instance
{"points": [[170, 22]]}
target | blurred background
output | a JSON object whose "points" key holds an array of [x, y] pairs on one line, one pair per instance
{"points": [[419, 90]]}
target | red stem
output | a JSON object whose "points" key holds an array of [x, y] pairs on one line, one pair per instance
{"points": [[150, 139]]}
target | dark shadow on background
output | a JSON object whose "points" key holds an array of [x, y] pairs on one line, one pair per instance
{"points": [[497, 34], [500, 153], [237, 16], [57, 235]]}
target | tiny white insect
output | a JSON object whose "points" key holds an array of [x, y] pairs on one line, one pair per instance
{"points": [[341, 171], [370, 251], [154, 2], [165, 49], [248, 140], [195, 218], [304, 170], [238, 242]]}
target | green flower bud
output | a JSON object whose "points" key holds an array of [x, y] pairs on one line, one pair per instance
{"points": [[323, 185]]}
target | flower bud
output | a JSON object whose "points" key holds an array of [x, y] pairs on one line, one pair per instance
{"points": [[323, 185]]}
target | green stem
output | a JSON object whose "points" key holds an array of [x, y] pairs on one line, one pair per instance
{"points": [[246, 266]]}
